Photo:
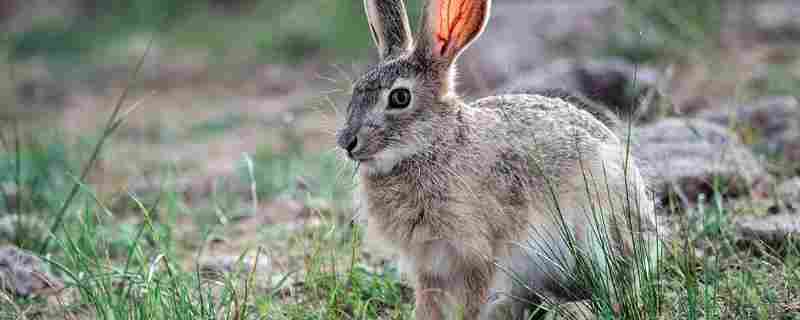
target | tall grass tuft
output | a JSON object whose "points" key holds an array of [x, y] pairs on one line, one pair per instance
{"points": [[115, 119], [605, 282]]}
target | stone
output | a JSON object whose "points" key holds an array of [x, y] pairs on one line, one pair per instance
{"points": [[686, 156], [789, 191], [776, 19], [788, 196], [775, 122], [523, 34], [22, 274], [770, 229], [619, 85]]}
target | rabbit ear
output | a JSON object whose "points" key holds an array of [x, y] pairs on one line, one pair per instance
{"points": [[450, 26], [388, 22]]}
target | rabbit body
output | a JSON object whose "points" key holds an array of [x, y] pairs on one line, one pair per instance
{"points": [[455, 209], [475, 197]]}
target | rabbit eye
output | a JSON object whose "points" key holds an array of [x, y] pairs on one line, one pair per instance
{"points": [[399, 98]]}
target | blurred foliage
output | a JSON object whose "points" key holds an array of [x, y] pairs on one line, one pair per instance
{"points": [[32, 175], [271, 30], [658, 29], [99, 23], [301, 175]]}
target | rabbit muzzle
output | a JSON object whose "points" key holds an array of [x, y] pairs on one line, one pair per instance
{"points": [[347, 139]]}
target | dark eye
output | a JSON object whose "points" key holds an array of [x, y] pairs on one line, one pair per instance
{"points": [[399, 98]]}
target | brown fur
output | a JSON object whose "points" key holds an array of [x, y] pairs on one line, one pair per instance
{"points": [[453, 186]]}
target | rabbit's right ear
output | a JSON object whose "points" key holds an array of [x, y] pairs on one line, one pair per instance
{"points": [[449, 27], [388, 23]]}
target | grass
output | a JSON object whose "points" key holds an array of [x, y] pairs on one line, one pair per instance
{"points": [[138, 274], [136, 270], [149, 283]]}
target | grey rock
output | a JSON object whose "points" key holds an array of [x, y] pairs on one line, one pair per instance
{"points": [[790, 189], [789, 144], [613, 82], [771, 229], [778, 19], [689, 155], [34, 94], [775, 119], [22, 274], [789, 192], [523, 34]]}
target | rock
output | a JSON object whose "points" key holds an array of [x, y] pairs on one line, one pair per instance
{"points": [[613, 82], [523, 34], [7, 10], [691, 154], [788, 195], [21, 273], [777, 19], [559, 74], [770, 229], [783, 200], [789, 191], [790, 145], [776, 120], [38, 94], [216, 267]]}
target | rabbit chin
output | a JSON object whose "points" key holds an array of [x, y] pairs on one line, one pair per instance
{"points": [[384, 161]]}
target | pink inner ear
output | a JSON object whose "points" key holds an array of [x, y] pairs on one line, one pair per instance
{"points": [[458, 20]]}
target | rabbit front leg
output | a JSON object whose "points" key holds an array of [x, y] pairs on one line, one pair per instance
{"points": [[452, 294], [475, 291], [430, 298]]}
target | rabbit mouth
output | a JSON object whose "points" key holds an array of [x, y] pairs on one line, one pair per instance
{"points": [[362, 156], [367, 153]]}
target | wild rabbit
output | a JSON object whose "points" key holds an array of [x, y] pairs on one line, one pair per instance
{"points": [[458, 188]]}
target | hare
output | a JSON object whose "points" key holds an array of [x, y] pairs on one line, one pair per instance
{"points": [[456, 188]]}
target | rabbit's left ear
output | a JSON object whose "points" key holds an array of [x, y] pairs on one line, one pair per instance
{"points": [[450, 26], [388, 22]]}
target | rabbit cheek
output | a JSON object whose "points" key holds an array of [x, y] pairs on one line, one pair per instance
{"points": [[392, 148], [386, 160]]}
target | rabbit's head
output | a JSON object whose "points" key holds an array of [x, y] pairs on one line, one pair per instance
{"points": [[399, 107]]}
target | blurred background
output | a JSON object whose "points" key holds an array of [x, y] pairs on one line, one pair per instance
{"points": [[227, 131]]}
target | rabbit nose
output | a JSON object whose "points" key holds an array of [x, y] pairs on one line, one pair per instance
{"points": [[352, 145]]}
